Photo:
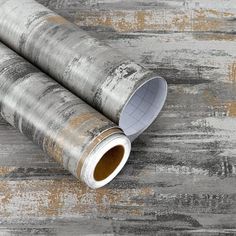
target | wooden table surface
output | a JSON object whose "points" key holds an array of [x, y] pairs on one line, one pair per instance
{"points": [[181, 176]]}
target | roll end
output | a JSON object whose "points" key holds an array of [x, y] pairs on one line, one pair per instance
{"points": [[143, 107], [105, 161]]}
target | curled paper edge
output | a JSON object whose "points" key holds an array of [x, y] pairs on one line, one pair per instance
{"points": [[143, 107]]}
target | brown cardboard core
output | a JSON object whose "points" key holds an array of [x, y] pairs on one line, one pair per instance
{"points": [[108, 163]]}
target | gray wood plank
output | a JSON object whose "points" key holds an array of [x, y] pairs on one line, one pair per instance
{"points": [[180, 178]]}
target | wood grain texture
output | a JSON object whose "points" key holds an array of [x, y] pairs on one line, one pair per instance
{"points": [[181, 177], [52, 117], [90, 69]]}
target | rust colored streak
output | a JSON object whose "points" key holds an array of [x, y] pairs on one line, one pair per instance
{"points": [[5, 170], [57, 19], [215, 37], [141, 20], [181, 22], [52, 198], [197, 20], [206, 20], [53, 149], [54, 202], [122, 21], [78, 120], [231, 107], [56, 149], [232, 72], [6, 195]]}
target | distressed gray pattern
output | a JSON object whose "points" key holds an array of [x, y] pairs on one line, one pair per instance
{"points": [[97, 73], [180, 178], [63, 125]]}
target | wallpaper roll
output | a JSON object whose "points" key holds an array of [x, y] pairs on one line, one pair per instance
{"points": [[85, 142], [125, 92]]}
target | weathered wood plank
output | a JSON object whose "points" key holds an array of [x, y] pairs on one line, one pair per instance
{"points": [[181, 174], [126, 16], [36, 201]]}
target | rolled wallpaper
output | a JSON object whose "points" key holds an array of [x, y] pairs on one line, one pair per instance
{"points": [[95, 102], [125, 92], [85, 142]]}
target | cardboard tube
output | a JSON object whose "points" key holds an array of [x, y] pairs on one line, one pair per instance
{"points": [[85, 142], [124, 91]]}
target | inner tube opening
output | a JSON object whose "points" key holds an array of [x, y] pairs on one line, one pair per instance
{"points": [[108, 163], [106, 160]]}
